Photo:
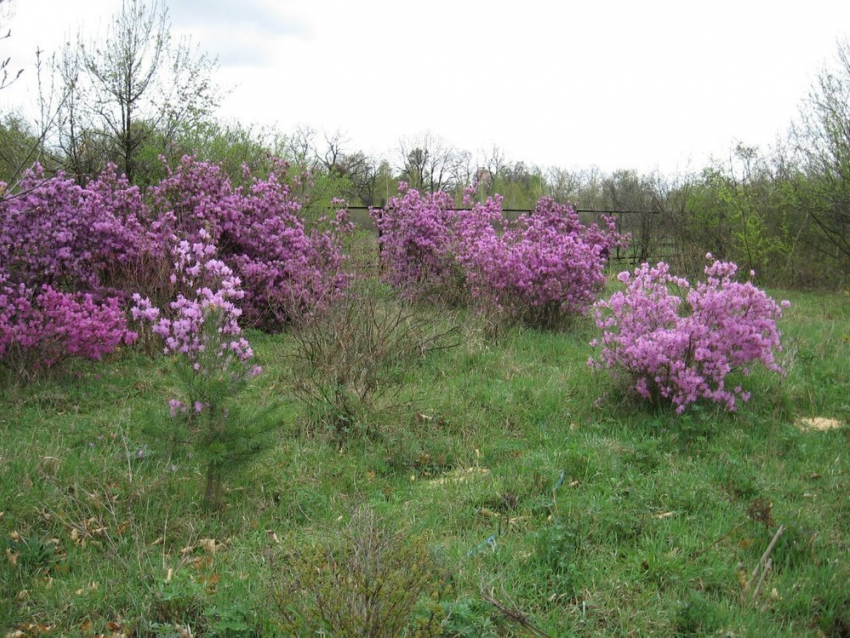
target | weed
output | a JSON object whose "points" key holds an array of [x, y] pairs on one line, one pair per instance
{"points": [[377, 584], [353, 359]]}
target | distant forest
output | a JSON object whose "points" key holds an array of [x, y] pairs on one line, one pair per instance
{"points": [[140, 100]]}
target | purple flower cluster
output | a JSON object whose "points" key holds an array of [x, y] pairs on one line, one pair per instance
{"points": [[40, 328], [206, 287], [417, 241], [286, 270], [58, 242], [679, 343], [57, 233], [99, 246], [541, 267]]}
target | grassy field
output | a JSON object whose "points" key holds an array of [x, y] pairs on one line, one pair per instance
{"points": [[532, 496]]}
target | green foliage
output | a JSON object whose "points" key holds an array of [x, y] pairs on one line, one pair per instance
{"points": [[469, 618], [20, 146], [821, 139], [697, 616], [558, 555], [231, 621], [212, 416], [178, 601], [739, 212], [35, 555]]}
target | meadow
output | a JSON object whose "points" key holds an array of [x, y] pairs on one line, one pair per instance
{"points": [[493, 485]]}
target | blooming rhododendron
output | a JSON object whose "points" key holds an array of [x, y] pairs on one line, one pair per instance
{"points": [[541, 268], [680, 342], [285, 269], [80, 253], [41, 328], [57, 233], [417, 240], [207, 286]]}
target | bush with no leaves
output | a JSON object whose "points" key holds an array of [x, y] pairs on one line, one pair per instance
{"points": [[376, 584], [352, 359]]}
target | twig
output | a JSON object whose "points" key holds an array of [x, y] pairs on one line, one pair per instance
{"points": [[766, 569], [515, 615], [126, 454], [764, 562]]}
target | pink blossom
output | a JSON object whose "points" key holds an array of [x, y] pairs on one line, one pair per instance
{"points": [[175, 406], [680, 343], [541, 267]]}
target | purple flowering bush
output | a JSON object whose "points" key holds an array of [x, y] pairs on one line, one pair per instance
{"points": [[678, 343], [41, 328], [287, 270], [540, 269], [417, 242], [543, 268], [54, 232], [205, 285], [57, 243], [92, 249]]}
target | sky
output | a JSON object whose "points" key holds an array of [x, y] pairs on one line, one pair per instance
{"points": [[650, 85]]}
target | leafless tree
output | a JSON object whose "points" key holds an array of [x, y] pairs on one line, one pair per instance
{"points": [[563, 185], [300, 147], [138, 81], [427, 162], [5, 79], [492, 168]]}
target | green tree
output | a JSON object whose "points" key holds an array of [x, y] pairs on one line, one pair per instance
{"points": [[19, 147], [822, 141], [133, 87]]}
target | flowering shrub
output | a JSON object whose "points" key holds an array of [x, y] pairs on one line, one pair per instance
{"points": [[57, 242], [78, 254], [206, 285], [678, 342], [542, 268], [40, 329], [286, 270], [417, 242], [57, 233]]}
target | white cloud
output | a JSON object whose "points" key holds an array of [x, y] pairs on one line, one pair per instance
{"points": [[615, 83]]}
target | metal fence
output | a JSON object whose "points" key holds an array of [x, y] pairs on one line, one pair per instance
{"points": [[649, 241]]}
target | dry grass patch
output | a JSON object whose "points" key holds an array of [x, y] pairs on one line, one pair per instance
{"points": [[819, 423]]}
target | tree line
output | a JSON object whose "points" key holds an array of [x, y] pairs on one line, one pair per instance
{"points": [[135, 95]]}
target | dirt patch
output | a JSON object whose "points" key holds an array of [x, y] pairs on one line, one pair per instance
{"points": [[819, 423]]}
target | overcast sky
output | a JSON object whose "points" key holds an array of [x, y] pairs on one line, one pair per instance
{"points": [[649, 84]]}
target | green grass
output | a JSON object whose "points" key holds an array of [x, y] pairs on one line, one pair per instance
{"points": [[657, 525]]}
